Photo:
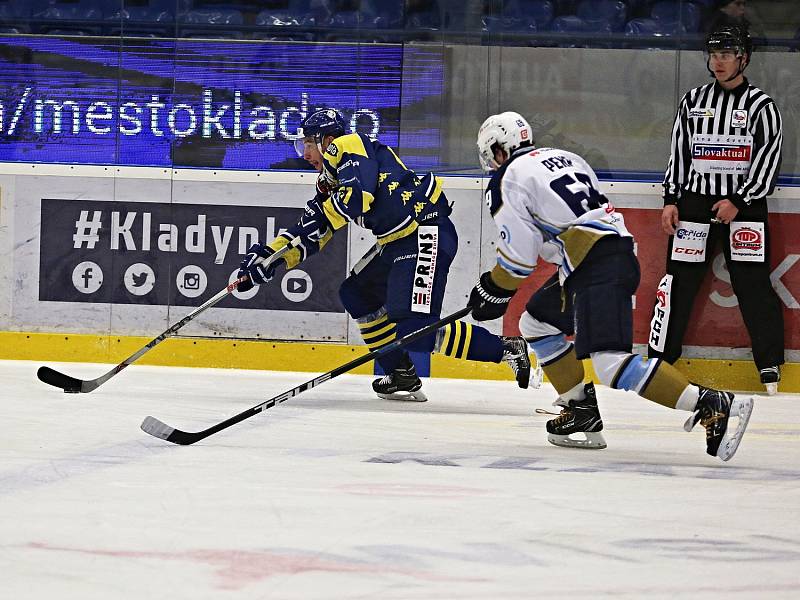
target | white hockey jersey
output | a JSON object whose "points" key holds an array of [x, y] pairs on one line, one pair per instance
{"points": [[547, 202]]}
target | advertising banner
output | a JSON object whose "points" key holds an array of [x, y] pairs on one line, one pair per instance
{"points": [[174, 254], [716, 320], [201, 103]]}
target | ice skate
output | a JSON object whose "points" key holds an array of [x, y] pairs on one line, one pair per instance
{"points": [[770, 378], [578, 417], [515, 353], [714, 412], [401, 384]]}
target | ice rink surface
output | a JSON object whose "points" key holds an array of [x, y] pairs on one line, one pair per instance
{"points": [[336, 494]]}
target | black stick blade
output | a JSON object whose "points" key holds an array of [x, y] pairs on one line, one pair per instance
{"points": [[161, 430], [52, 377]]}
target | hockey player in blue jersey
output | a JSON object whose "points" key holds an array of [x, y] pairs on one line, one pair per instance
{"points": [[547, 204], [398, 286]]}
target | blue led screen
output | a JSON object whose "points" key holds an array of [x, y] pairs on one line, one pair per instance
{"points": [[206, 104]]}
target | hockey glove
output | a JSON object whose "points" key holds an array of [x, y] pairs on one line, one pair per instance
{"points": [[257, 273], [488, 300], [313, 225]]}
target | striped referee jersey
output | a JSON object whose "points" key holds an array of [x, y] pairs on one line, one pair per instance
{"points": [[725, 143]]}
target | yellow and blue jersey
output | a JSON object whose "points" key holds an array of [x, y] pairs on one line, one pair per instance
{"points": [[373, 188]]}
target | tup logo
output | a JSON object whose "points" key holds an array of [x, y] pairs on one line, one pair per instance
{"points": [[746, 238]]}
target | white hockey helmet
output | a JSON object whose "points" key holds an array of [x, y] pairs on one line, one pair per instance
{"points": [[509, 130]]}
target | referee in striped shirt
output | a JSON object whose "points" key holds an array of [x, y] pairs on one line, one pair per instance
{"points": [[724, 162]]}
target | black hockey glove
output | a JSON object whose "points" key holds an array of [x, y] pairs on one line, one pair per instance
{"points": [[488, 300], [257, 273]]}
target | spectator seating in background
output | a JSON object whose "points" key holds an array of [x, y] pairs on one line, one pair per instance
{"points": [[69, 17], [141, 21], [423, 19], [650, 28], [211, 23], [653, 27], [284, 25], [574, 24], [14, 16], [537, 14], [670, 12], [614, 12], [497, 26], [347, 26]]}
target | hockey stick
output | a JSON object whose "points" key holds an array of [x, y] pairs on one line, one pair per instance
{"points": [[161, 430], [72, 385]]}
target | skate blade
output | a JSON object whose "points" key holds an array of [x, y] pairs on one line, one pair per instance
{"points": [[741, 409], [772, 388], [594, 440], [405, 397]]}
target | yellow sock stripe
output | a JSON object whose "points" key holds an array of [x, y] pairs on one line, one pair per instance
{"points": [[375, 344], [456, 339], [459, 343], [448, 330], [377, 321], [378, 333], [467, 339]]}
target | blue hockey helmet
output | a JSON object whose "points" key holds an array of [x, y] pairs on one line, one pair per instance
{"points": [[319, 125]]}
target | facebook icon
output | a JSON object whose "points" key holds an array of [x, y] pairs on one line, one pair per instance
{"points": [[87, 277]]}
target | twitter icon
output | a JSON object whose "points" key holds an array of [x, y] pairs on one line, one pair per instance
{"points": [[139, 279]]}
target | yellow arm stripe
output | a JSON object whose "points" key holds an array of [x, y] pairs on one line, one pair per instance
{"points": [[292, 257], [407, 230], [467, 340], [504, 279], [397, 158], [367, 200], [335, 218], [350, 143], [325, 238], [437, 191], [368, 337]]}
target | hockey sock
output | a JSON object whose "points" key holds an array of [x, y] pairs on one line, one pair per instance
{"points": [[558, 361], [466, 341], [377, 331], [666, 386]]}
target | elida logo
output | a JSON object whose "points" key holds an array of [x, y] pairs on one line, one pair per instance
{"points": [[746, 239]]}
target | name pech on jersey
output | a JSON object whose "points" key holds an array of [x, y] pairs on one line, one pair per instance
{"points": [[546, 203]]}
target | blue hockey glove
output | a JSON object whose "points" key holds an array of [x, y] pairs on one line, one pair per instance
{"points": [[257, 273], [488, 300]]}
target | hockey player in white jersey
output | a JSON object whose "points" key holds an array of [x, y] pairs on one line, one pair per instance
{"points": [[547, 204]]}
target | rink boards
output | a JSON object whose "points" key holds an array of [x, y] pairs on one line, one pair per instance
{"points": [[95, 261]]}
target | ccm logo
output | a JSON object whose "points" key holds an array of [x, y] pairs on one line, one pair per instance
{"points": [[690, 251]]}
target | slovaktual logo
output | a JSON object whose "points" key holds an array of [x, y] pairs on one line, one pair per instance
{"points": [[732, 152]]}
